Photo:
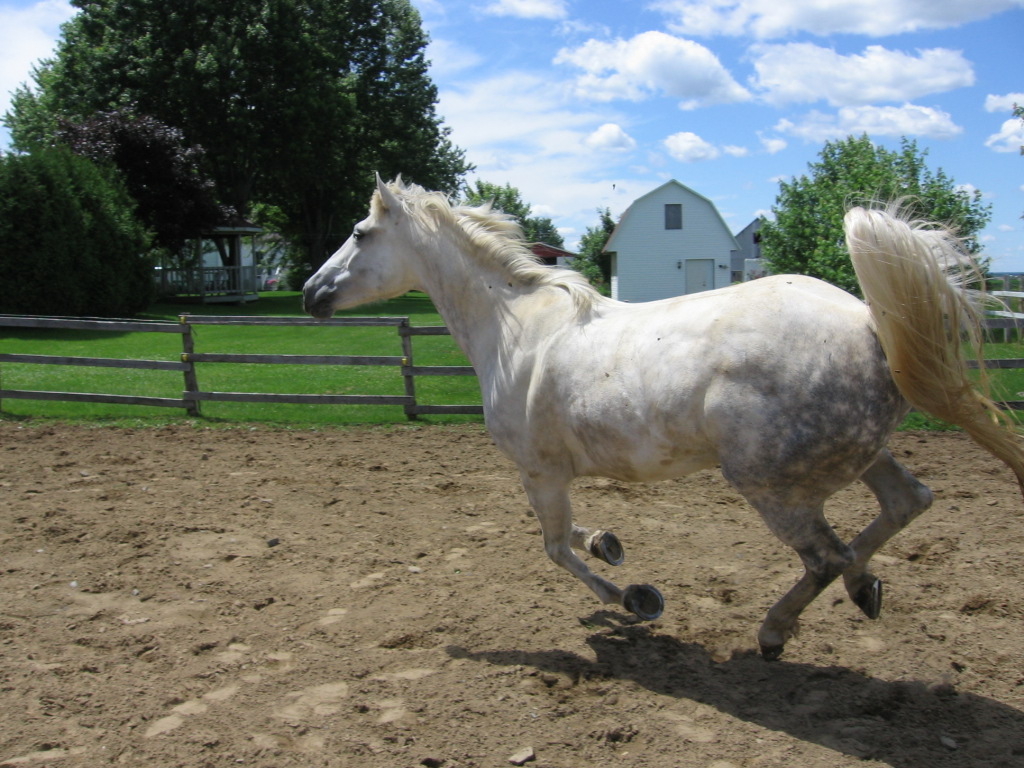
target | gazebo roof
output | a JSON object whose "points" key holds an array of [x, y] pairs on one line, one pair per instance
{"points": [[234, 226]]}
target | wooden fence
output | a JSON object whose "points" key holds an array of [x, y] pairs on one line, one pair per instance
{"points": [[193, 394]]}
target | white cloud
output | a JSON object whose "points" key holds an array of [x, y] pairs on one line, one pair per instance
{"points": [[433, 7], [735, 151], [766, 19], [611, 137], [528, 9], [582, 28], [516, 108], [689, 147], [518, 131], [27, 35], [803, 72], [648, 64], [1004, 103], [908, 120], [448, 58], [1010, 137], [772, 145]]}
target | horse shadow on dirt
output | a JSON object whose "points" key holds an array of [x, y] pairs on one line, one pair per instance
{"points": [[906, 724]]}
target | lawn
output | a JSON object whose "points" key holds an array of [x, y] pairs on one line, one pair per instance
{"points": [[313, 379]]}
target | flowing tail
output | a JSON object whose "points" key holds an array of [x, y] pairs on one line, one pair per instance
{"points": [[913, 278]]}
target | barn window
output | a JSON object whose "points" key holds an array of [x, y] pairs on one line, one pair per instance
{"points": [[673, 216]]}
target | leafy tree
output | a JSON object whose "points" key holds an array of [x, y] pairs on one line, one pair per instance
{"points": [[175, 200], [508, 199], [807, 234], [70, 243], [296, 102], [592, 261]]}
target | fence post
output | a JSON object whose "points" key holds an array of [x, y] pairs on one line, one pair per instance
{"points": [[191, 381], [410, 381]]}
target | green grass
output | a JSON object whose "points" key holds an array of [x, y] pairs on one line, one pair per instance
{"points": [[1004, 385], [318, 379]]}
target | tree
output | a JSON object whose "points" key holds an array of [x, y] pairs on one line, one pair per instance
{"points": [[296, 102], [173, 197], [592, 261], [70, 243], [806, 236], [508, 199]]}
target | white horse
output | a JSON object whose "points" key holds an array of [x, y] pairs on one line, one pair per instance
{"points": [[789, 384]]}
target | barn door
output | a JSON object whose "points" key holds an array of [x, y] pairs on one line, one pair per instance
{"points": [[699, 275]]}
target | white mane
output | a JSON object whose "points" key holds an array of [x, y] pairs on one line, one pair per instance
{"points": [[493, 237]]}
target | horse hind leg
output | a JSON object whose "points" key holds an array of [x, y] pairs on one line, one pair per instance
{"points": [[824, 555], [901, 498]]}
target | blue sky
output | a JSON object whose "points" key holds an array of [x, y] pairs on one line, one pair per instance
{"points": [[586, 104]]}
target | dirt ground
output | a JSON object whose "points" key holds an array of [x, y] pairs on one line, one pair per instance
{"points": [[380, 597]]}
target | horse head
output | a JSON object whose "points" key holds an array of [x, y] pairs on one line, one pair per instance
{"points": [[370, 264]]}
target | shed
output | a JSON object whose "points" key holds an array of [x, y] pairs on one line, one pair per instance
{"points": [[551, 255], [669, 242]]}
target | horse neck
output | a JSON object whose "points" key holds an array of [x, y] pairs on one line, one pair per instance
{"points": [[483, 310]]}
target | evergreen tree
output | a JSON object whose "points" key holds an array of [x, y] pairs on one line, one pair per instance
{"points": [[70, 243]]}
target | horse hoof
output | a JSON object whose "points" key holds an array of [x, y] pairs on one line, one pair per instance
{"points": [[869, 599], [771, 652], [643, 600], [606, 547]]}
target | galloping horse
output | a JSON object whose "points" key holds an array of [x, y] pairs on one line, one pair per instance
{"points": [[790, 385]]}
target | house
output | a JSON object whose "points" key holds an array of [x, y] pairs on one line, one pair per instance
{"points": [[748, 264], [670, 242]]}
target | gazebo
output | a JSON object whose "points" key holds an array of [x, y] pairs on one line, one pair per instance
{"points": [[223, 267]]}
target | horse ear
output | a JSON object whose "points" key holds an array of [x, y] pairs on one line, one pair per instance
{"points": [[387, 197]]}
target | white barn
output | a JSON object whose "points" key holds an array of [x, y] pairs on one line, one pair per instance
{"points": [[669, 242]]}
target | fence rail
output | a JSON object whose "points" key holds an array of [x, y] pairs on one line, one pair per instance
{"points": [[192, 394]]}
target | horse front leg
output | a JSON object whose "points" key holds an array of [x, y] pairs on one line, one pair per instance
{"points": [[551, 503], [603, 545]]}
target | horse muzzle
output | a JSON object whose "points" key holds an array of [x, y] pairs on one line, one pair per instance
{"points": [[318, 299]]}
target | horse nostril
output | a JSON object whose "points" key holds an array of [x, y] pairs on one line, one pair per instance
{"points": [[318, 300]]}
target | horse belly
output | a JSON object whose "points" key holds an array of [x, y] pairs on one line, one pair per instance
{"points": [[639, 462], [640, 438]]}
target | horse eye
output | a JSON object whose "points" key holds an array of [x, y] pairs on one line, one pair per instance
{"points": [[357, 235]]}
